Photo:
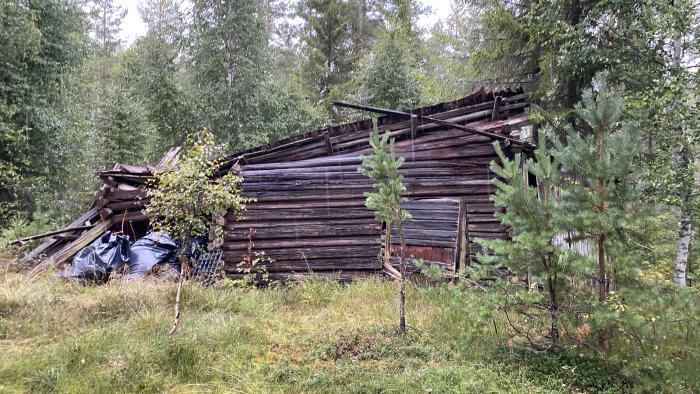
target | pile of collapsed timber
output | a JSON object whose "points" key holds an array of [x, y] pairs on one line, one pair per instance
{"points": [[117, 207]]}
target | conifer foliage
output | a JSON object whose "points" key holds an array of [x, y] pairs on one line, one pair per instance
{"points": [[532, 213], [382, 167], [584, 195]]}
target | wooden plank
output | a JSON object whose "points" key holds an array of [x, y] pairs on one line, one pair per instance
{"points": [[447, 234], [414, 126], [48, 234], [130, 205], [84, 240], [496, 108], [124, 195], [312, 253], [304, 232], [340, 276], [51, 244], [329, 144], [462, 241], [246, 224], [349, 213], [307, 265], [169, 158], [283, 244]]}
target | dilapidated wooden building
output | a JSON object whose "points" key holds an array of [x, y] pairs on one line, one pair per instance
{"points": [[309, 216]]}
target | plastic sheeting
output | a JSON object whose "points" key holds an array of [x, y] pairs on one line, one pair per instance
{"points": [[154, 248], [110, 252], [95, 262]]}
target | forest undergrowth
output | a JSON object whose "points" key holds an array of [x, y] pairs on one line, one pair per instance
{"points": [[313, 336]]}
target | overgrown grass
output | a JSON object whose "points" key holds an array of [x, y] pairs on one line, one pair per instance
{"points": [[310, 337]]}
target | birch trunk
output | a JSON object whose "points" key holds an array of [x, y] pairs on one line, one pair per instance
{"points": [[679, 273]]}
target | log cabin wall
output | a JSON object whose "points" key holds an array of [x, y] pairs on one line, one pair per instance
{"points": [[309, 216]]}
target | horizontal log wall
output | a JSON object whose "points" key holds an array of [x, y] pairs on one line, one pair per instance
{"points": [[309, 215]]}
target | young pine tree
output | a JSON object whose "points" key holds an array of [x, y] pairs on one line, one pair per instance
{"points": [[600, 150], [382, 167], [531, 253]]}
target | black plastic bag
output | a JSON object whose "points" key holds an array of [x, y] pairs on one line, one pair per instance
{"points": [[154, 248], [95, 262]]}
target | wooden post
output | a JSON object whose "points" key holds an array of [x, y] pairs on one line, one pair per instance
{"points": [[414, 126], [414, 133], [496, 107], [329, 146], [462, 252]]}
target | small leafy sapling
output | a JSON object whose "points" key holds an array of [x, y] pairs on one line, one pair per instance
{"points": [[382, 167], [186, 197]]}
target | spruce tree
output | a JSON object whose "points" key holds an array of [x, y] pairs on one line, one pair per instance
{"points": [[390, 77], [532, 213], [334, 38]]}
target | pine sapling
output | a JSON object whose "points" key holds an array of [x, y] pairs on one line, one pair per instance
{"points": [[382, 167]]}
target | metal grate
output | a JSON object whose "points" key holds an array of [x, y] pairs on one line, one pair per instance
{"points": [[206, 266]]}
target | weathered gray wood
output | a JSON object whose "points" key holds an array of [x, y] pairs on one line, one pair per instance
{"points": [[48, 234], [307, 265], [313, 253], [53, 244], [304, 232], [286, 243]]}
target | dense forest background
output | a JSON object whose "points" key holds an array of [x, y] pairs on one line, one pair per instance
{"points": [[75, 99]]}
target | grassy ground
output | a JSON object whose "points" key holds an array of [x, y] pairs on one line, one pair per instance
{"points": [[312, 337]]}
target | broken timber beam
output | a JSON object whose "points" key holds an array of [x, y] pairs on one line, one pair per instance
{"points": [[84, 240], [53, 243], [48, 234], [431, 119]]}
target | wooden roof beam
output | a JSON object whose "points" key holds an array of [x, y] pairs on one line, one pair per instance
{"points": [[469, 129]]}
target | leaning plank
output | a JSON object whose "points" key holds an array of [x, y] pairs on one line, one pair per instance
{"points": [[84, 240], [48, 234], [53, 243], [168, 159]]}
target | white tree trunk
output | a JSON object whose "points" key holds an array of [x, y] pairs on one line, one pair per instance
{"points": [[679, 273]]}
